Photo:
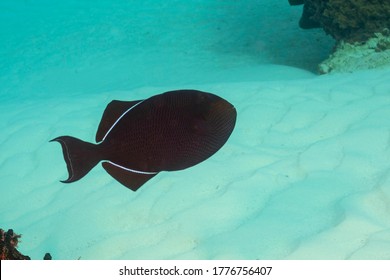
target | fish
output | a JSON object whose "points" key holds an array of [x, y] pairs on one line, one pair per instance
{"points": [[136, 140]]}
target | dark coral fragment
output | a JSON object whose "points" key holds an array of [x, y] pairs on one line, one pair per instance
{"points": [[8, 242], [47, 257]]}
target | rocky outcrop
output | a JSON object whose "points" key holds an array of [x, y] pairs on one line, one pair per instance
{"points": [[9, 240], [8, 243], [360, 28], [349, 57], [307, 20], [348, 20]]}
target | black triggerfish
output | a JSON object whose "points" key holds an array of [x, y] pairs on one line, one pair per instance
{"points": [[138, 139]]}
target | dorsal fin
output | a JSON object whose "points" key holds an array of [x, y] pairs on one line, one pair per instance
{"points": [[111, 114]]}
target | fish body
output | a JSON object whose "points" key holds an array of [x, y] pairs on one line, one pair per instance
{"points": [[138, 139]]}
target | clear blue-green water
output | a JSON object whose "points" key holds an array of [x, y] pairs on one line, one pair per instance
{"points": [[50, 48], [305, 174]]}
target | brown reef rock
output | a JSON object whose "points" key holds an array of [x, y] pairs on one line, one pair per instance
{"points": [[348, 20], [8, 243]]}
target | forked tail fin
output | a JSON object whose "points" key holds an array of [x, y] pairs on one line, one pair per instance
{"points": [[80, 156]]}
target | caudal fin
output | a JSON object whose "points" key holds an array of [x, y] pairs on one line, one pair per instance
{"points": [[80, 156]]}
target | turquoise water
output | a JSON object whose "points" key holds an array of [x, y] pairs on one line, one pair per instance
{"points": [[305, 174], [52, 47]]}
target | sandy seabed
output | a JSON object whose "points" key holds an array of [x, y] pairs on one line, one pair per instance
{"points": [[305, 174]]}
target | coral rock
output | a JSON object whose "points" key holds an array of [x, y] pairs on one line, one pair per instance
{"points": [[348, 20], [8, 243], [349, 57]]}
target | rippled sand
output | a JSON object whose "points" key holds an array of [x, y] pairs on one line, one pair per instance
{"points": [[305, 175]]}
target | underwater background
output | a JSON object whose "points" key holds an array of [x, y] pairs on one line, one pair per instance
{"points": [[305, 174]]}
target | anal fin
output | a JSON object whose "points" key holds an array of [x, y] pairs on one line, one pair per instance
{"points": [[129, 179]]}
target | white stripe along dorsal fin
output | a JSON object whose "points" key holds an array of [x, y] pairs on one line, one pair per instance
{"points": [[113, 113]]}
